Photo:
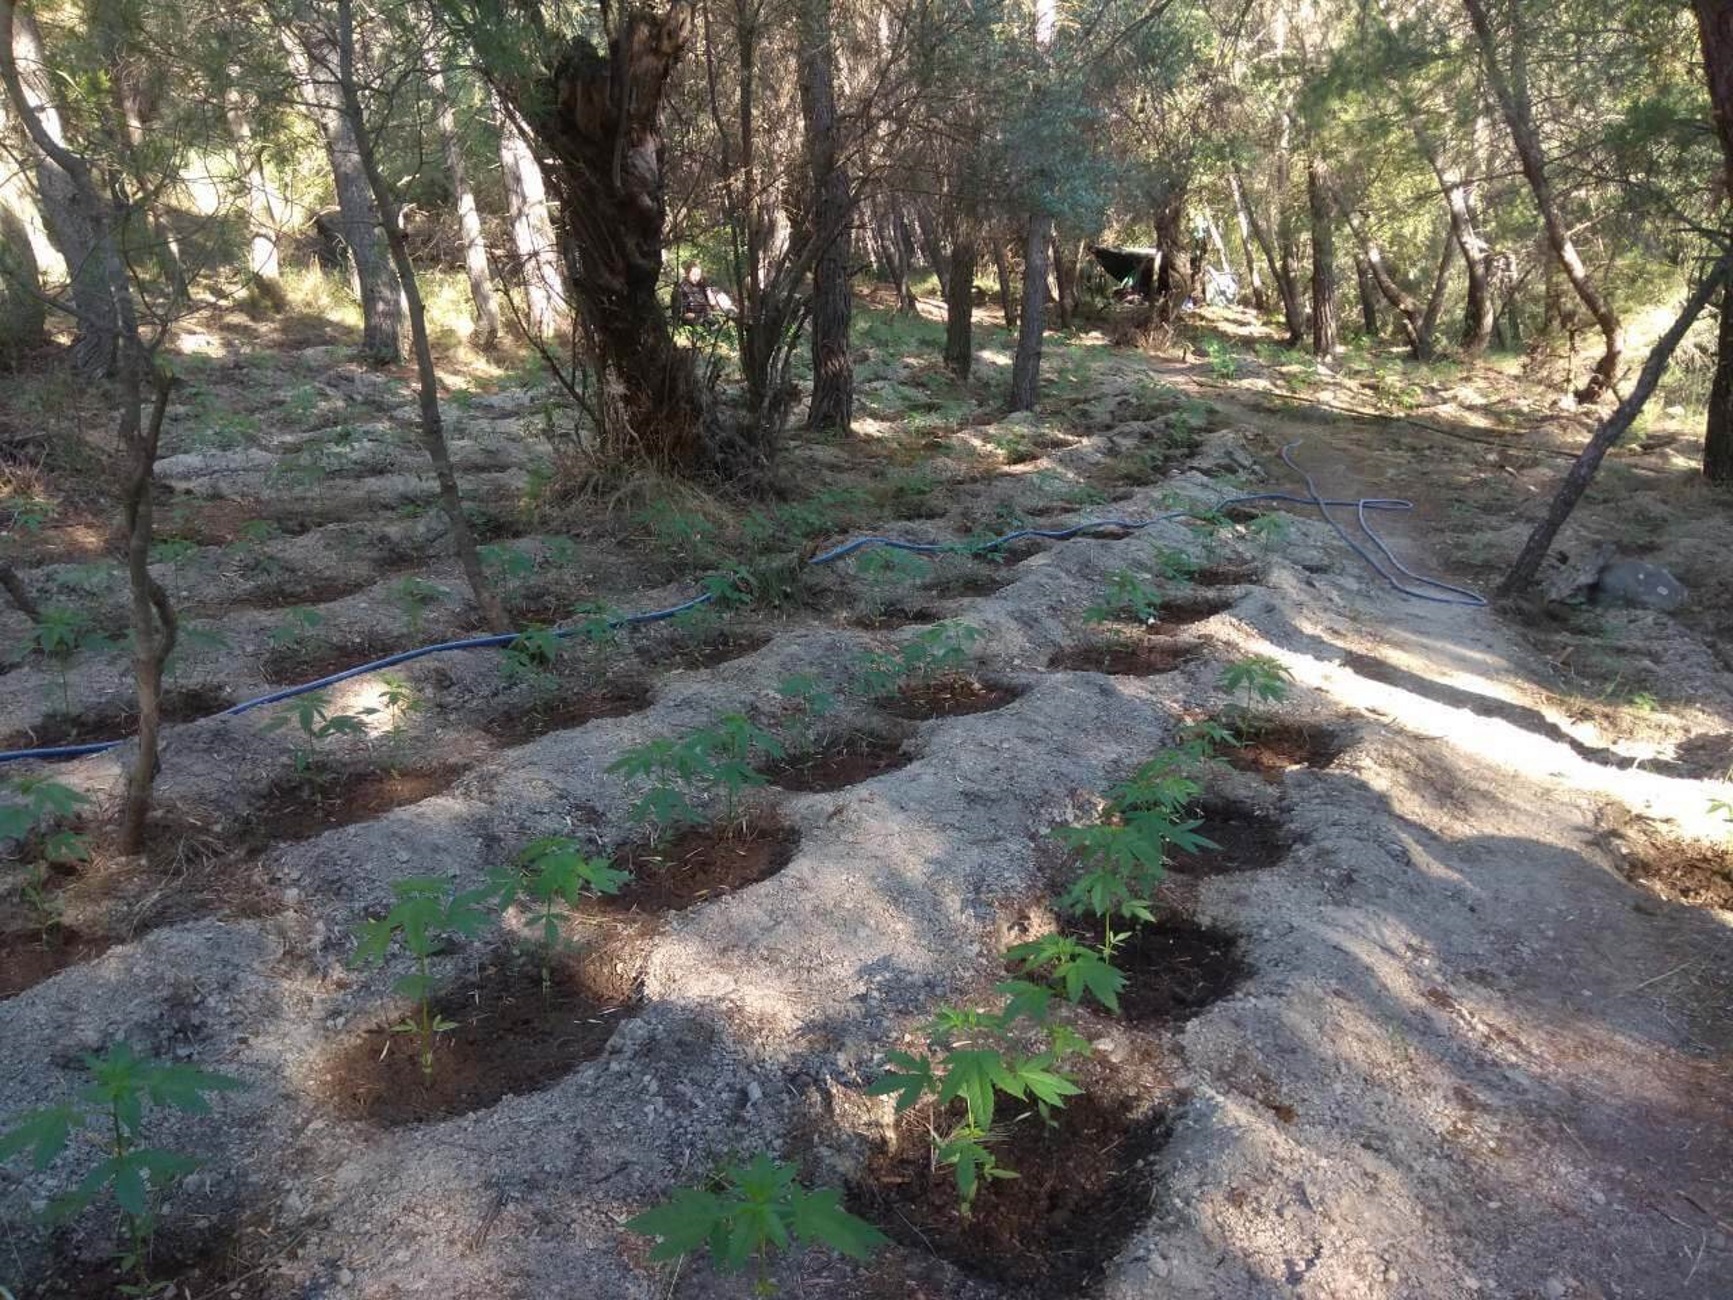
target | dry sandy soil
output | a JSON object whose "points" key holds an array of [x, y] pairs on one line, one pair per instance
{"points": [[1448, 1015]]}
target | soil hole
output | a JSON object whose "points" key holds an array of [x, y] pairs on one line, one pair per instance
{"points": [[970, 582], [27, 957], [1173, 968], [1273, 749], [846, 762], [892, 616], [117, 721], [1692, 871], [567, 710], [1082, 1190], [1138, 657], [1248, 840], [202, 1263], [1183, 611], [700, 864], [948, 697], [512, 1036], [295, 808], [290, 665], [704, 651], [1227, 575]]}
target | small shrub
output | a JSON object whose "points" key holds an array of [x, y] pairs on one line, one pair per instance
{"points": [[553, 873]]}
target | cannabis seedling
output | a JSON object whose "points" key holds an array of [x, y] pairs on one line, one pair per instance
{"points": [[123, 1084], [530, 659], [298, 625], [552, 873], [807, 702], [973, 1056], [416, 596], [1074, 966], [37, 804], [749, 1213], [429, 911], [311, 714], [58, 636], [715, 761], [1126, 597], [1256, 677], [939, 651]]}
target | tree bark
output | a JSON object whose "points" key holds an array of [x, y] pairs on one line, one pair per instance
{"points": [[1007, 298], [153, 621], [1513, 101], [532, 229], [1715, 33], [1323, 261], [960, 303], [314, 64], [96, 347], [1026, 366], [1408, 311], [1610, 430], [831, 207], [468, 217], [597, 118], [426, 375], [263, 219], [1260, 300], [1283, 272], [1368, 298]]}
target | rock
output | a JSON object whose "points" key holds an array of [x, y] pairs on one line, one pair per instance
{"points": [[1554, 1288], [1631, 582]]}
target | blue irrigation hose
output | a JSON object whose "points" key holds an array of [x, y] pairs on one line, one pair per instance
{"points": [[1429, 589]]}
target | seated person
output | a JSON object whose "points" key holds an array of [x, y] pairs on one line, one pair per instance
{"points": [[692, 297]]}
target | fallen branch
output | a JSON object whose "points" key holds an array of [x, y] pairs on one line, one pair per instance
{"points": [[14, 587]]}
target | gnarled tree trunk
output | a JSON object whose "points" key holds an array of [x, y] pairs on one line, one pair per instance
{"points": [[532, 229], [1715, 32]]}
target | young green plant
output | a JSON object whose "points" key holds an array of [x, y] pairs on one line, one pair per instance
{"points": [[553, 875], [428, 911], [311, 715], [748, 1214], [123, 1086]]}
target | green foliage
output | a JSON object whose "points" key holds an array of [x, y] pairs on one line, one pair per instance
{"points": [[415, 596], [1122, 856], [428, 912], [938, 651], [33, 807], [530, 657], [296, 627], [1270, 530], [807, 701], [58, 637], [506, 567], [715, 762], [550, 873], [976, 1057], [123, 1087], [886, 570], [752, 1212], [311, 715], [1126, 596], [1256, 677], [1073, 965], [1176, 565], [1223, 364]]}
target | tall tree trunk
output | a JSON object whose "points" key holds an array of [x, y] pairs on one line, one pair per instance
{"points": [[1611, 429], [831, 208], [1284, 272], [426, 375], [903, 249], [1715, 33], [263, 219], [153, 621], [314, 64], [532, 229], [1026, 366], [1242, 221], [1513, 100], [1323, 261], [1066, 254], [932, 247], [1002, 268], [1368, 292], [960, 302], [96, 348], [468, 217]]}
